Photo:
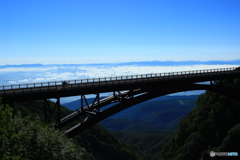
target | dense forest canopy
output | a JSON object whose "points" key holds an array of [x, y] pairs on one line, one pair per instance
{"points": [[213, 125], [22, 138], [25, 136]]}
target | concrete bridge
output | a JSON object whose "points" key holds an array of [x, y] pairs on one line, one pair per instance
{"points": [[126, 92]]}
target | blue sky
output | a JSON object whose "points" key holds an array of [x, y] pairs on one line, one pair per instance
{"points": [[107, 31]]}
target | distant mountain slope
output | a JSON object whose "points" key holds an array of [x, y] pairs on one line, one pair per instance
{"points": [[130, 125], [141, 63], [151, 116], [179, 63], [74, 105], [146, 111]]}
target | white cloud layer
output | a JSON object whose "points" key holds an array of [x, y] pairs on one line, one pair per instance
{"points": [[95, 72], [22, 75], [15, 75]]}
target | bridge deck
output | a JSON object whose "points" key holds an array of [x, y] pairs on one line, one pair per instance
{"points": [[33, 91]]}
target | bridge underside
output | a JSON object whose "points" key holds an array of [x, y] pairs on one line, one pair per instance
{"points": [[94, 113], [126, 93]]}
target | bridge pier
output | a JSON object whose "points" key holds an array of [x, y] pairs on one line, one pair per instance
{"points": [[49, 111]]}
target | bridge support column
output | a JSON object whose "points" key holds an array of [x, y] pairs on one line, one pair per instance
{"points": [[58, 112], [98, 101], [81, 100], [49, 112]]}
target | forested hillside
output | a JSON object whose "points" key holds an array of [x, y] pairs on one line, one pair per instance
{"points": [[26, 137], [213, 125], [148, 126], [23, 138]]}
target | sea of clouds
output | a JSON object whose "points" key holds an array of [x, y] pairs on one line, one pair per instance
{"points": [[19, 74], [35, 73]]}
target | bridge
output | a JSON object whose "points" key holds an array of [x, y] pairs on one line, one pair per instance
{"points": [[126, 92]]}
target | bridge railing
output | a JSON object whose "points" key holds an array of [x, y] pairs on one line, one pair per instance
{"points": [[138, 78]]}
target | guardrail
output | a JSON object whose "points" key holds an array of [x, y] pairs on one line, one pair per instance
{"points": [[77, 83]]}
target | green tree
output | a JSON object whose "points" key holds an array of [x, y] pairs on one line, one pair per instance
{"points": [[21, 138], [232, 140], [211, 126]]}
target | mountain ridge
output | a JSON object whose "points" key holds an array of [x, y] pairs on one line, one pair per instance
{"points": [[150, 63]]}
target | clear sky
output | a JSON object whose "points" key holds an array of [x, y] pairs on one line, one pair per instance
{"points": [[97, 31]]}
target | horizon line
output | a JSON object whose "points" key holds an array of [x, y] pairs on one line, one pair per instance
{"points": [[108, 63]]}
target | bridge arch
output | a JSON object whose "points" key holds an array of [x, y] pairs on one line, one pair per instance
{"points": [[140, 95], [136, 89]]}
